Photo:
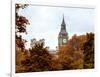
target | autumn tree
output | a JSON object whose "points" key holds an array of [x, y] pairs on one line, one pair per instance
{"points": [[20, 27], [71, 55], [39, 59], [21, 21], [77, 41], [65, 56], [88, 48]]}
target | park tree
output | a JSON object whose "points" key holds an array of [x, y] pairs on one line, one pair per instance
{"points": [[65, 56], [71, 55], [39, 59], [77, 41], [21, 23], [88, 48]]}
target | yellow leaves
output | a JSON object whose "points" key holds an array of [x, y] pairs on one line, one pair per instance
{"points": [[77, 54], [78, 64], [71, 55]]}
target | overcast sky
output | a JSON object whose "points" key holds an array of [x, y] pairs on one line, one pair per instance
{"points": [[45, 22]]}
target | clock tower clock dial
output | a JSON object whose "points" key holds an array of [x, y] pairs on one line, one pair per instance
{"points": [[64, 40]]}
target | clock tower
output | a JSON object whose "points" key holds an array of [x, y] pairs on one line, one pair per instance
{"points": [[63, 35]]}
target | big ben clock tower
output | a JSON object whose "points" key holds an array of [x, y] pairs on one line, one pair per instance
{"points": [[63, 35]]}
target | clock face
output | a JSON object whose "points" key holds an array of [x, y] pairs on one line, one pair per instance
{"points": [[64, 40]]}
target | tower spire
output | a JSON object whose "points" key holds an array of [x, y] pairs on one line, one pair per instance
{"points": [[63, 21], [63, 25], [63, 17]]}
